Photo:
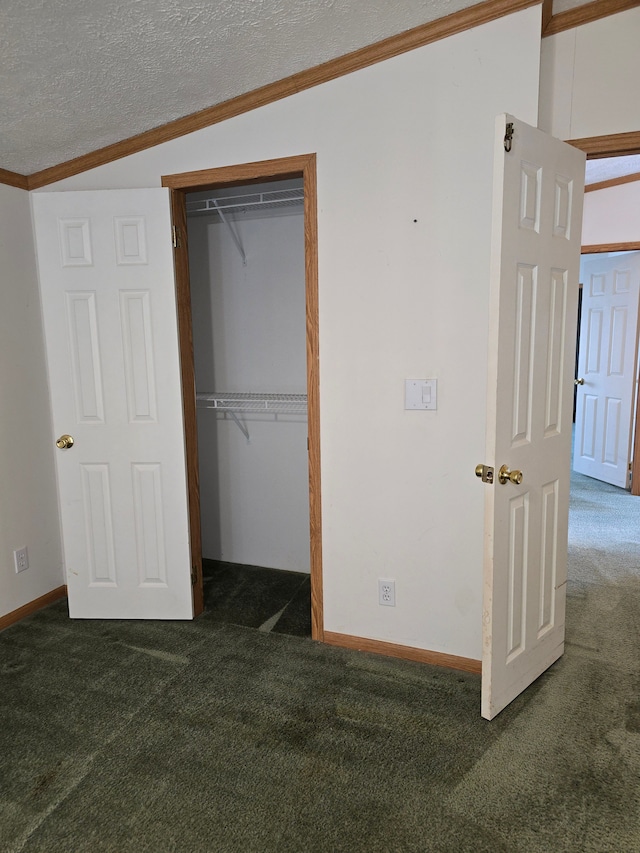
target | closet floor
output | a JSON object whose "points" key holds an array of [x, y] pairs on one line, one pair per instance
{"points": [[266, 599]]}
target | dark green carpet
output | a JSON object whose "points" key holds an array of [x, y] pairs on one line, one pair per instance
{"points": [[256, 597], [207, 736]]}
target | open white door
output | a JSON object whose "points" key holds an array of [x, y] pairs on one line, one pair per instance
{"points": [[538, 191], [607, 359], [108, 297]]}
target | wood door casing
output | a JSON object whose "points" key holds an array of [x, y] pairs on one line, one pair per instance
{"points": [[185, 339], [616, 145], [635, 439], [303, 166], [607, 368]]}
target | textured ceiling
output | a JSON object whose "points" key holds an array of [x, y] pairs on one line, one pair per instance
{"points": [[612, 167], [76, 75]]}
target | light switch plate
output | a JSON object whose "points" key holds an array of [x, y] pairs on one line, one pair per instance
{"points": [[421, 394]]}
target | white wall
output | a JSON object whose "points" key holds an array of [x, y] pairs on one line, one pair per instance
{"points": [[249, 335], [612, 215], [405, 153], [28, 503], [588, 78]]}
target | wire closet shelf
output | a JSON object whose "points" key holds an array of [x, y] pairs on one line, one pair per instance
{"points": [[267, 200], [234, 403], [242, 401]]}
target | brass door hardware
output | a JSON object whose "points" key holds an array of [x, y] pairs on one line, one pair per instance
{"points": [[485, 472], [64, 442], [578, 381], [507, 476]]}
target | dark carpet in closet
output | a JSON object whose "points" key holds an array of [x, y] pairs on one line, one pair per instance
{"points": [[270, 600]]}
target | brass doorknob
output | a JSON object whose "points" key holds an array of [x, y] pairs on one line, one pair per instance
{"points": [[64, 442], [507, 476], [578, 381]]}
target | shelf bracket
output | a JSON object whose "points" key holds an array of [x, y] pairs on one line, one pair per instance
{"points": [[234, 236], [241, 401], [239, 423]]}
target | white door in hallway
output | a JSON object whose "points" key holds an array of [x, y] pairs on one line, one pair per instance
{"points": [[538, 190], [607, 366], [108, 297]]}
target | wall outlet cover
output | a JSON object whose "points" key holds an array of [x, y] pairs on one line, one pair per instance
{"points": [[21, 559], [386, 592]]}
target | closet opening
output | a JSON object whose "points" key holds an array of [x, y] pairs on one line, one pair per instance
{"points": [[246, 272]]}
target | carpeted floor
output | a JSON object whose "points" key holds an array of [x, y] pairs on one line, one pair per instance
{"points": [[210, 736], [266, 599]]}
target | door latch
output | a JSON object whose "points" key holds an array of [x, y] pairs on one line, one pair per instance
{"points": [[508, 136], [485, 472]]}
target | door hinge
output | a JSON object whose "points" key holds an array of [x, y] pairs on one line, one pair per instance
{"points": [[485, 472], [194, 576], [177, 240], [508, 136]]}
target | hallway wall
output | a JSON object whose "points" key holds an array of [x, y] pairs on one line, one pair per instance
{"points": [[612, 215], [28, 498], [587, 78]]}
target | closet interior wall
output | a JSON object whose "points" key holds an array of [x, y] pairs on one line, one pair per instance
{"points": [[250, 337]]}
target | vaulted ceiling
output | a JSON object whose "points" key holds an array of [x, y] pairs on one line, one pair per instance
{"points": [[77, 75]]}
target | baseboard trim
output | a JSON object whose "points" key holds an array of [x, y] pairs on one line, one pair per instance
{"points": [[393, 650], [32, 607]]}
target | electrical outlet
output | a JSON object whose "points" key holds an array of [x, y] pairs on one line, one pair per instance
{"points": [[21, 559], [386, 592]]}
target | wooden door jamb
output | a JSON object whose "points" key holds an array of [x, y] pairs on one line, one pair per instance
{"points": [[298, 166]]}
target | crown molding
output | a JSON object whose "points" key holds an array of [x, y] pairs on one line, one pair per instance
{"points": [[13, 179], [612, 182], [611, 145], [585, 14], [458, 22], [598, 248], [441, 28]]}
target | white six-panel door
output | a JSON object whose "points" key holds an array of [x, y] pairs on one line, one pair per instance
{"points": [[538, 190], [607, 361], [108, 297]]}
